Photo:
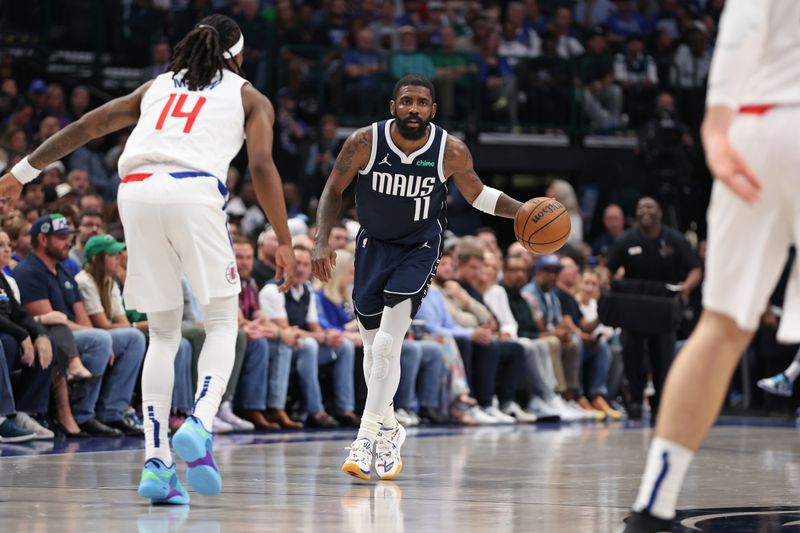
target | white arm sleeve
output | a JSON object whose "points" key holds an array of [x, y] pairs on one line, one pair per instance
{"points": [[742, 31]]}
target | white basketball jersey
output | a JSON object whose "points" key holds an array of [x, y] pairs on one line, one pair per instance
{"points": [[179, 129]]}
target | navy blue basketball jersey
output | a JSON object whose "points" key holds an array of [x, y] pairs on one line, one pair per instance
{"points": [[402, 198]]}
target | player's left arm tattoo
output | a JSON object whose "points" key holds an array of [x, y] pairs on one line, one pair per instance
{"points": [[458, 165]]}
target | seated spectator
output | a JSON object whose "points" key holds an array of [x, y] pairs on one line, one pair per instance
{"points": [[567, 46], [525, 35], [594, 349], [601, 97], [693, 59], [549, 320], [338, 238], [78, 180], [79, 101], [364, 69], [33, 194], [321, 157], [264, 265], [91, 202], [264, 380], [563, 191], [409, 60], [637, 73], [18, 230], [90, 223], [45, 286], [469, 274], [614, 223], [498, 81], [454, 81], [317, 346], [479, 349], [102, 300], [90, 158], [625, 22], [592, 13], [25, 346]]}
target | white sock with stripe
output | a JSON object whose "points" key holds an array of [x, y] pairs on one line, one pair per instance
{"points": [[792, 371], [667, 463]]}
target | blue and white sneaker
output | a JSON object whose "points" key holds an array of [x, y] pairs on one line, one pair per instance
{"points": [[160, 484], [388, 463], [779, 385], [193, 443]]}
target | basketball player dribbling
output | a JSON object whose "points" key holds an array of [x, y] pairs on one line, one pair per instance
{"points": [[190, 123], [752, 108], [402, 165]]}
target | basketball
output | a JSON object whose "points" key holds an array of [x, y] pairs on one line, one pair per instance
{"points": [[542, 225]]}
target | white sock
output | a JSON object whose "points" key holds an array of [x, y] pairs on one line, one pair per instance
{"points": [[370, 425], [2, 419], [215, 363], [158, 377], [666, 467], [792, 371], [368, 337]]}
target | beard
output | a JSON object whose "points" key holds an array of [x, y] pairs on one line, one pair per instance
{"points": [[409, 132]]}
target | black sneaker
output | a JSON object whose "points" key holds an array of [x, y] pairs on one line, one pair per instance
{"points": [[430, 415], [126, 426], [11, 432], [321, 420], [634, 411], [640, 522], [95, 428]]}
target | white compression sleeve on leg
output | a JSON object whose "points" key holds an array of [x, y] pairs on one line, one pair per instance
{"points": [[216, 358], [368, 336], [385, 375], [158, 377], [487, 200]]}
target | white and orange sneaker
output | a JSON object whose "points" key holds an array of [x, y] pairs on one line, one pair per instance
{"points": [[388, 463], [359, 462]]}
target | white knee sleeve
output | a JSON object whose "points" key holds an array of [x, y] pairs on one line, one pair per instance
{"points": [[381, 354]]}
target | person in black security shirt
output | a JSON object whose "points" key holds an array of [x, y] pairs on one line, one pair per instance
{"points": [[651, 251]]}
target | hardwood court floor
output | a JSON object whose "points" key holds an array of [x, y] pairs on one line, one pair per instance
{"points": [[502, 479]]}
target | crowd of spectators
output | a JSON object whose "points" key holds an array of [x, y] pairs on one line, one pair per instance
{"points": [[502, 337]]}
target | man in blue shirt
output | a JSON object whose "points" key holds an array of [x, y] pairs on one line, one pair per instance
{"points": [[46, 285]]}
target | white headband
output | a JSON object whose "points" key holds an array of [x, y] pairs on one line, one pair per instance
{"points": [[234, 50]]}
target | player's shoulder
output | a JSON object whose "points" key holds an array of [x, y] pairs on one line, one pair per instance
{"points": [[361, 138], [457, 156]]}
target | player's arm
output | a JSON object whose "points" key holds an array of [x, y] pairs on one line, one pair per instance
{"points": [[742, 32], [259, 119], [354, 156], [458, 165], [112, 116]]}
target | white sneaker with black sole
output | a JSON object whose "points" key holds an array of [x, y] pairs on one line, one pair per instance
{"points": [[27, 422], [513, 409], [543, 411]]}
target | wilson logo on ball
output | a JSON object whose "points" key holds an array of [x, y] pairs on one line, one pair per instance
{"points": [[549, 208]]}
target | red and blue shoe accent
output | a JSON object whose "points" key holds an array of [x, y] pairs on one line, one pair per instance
{"points": [[193, 443], [160, 484]]}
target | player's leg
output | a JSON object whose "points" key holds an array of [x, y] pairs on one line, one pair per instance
{"points": [[159, 481], [193, 441], [368, 338], [738, 256], [693, 395]]}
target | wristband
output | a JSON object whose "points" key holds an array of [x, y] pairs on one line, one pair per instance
{"points": [[25, 172], [487, 200]]}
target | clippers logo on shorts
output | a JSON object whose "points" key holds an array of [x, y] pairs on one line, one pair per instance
{"points": [[401, 198], [231, 274]]}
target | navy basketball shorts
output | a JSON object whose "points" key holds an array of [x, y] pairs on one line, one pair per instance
{"points": [[387, 273]]}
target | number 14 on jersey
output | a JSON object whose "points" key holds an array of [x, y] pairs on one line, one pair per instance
{"points": [[178, 111]]}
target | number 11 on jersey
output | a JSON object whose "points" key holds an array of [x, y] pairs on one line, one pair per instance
{"points": [[421, 207]]}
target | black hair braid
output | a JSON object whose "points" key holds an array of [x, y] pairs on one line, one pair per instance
{"points": [[200, 53]]}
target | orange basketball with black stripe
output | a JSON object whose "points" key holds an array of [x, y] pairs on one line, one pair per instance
{"points": [[542, 225]]}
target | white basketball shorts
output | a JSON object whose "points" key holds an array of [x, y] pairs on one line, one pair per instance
{"points": [[748, 245], [175, 227]]}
